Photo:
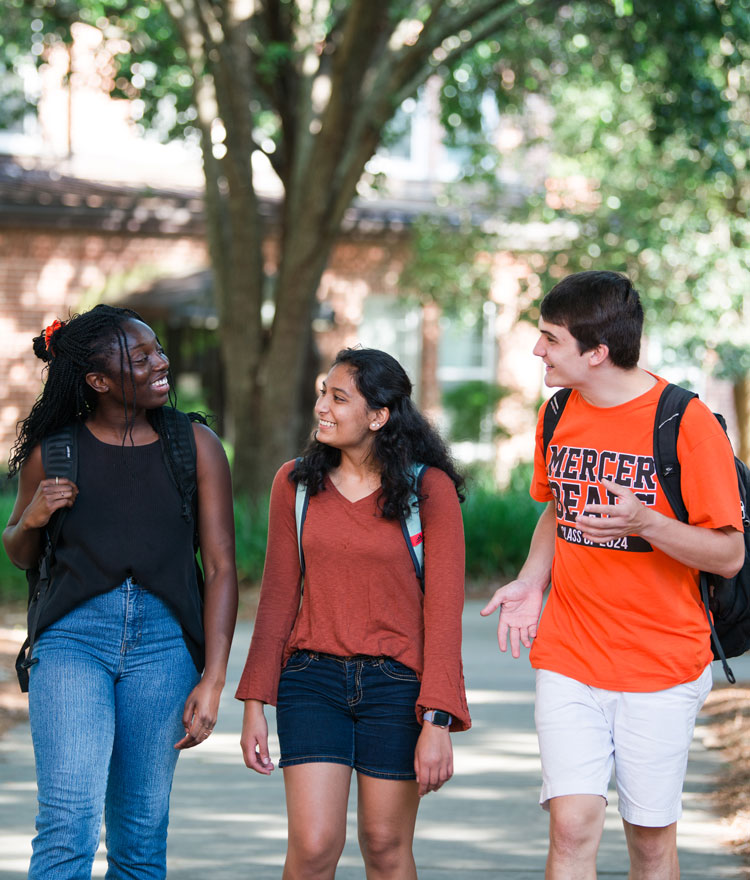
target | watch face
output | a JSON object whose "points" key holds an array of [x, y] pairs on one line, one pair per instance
{"points": [[442, 719]]}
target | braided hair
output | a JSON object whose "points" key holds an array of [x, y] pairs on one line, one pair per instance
{"points": [[72, 349], [406, 438]]}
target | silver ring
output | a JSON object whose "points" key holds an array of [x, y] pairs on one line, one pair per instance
{"points": [[57, 481]]}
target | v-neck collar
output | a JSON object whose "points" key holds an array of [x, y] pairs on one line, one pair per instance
{"points": [[348, 500]]}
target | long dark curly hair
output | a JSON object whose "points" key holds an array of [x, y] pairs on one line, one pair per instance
{"points": [[76, 347], [406, 438]]}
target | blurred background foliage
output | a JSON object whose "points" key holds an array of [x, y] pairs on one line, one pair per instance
{"points": [[644, 136], [631, 121], [470, 407], [628, 123]]}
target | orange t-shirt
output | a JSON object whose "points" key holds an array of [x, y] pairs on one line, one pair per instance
{"points": [[361, 594], [628, 617]]}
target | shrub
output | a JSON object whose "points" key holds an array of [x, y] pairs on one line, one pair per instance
{"points": [[251, 528], [12, 580], [498, 527], [470, 407]]}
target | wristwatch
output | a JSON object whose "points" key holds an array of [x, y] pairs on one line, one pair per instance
{"points": [[438, 718]]}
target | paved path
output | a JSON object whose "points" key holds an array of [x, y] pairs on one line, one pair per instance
{"points": [[228, 823]]}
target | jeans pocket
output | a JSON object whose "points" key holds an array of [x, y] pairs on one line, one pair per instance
{"points": [[297, 662], [396, 670]]}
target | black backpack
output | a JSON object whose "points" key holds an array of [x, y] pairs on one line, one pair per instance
{"points": [[726, 600], [60, 459]]}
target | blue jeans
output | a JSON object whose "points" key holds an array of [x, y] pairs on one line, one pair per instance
{"points": [[105, 704]]}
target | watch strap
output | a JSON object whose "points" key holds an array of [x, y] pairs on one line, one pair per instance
{"points": [[438, 717]]}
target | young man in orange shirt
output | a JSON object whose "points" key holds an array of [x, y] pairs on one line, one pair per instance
{"points": [[622, 651]]}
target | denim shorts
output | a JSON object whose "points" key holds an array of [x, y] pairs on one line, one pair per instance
{"points": [[358, 711]]}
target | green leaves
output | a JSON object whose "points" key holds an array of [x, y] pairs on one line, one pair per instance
{"points": [[449, 264]]}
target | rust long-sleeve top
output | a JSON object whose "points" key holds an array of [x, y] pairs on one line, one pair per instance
{"points": [[361, 595]]}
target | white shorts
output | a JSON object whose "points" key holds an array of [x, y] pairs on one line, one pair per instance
{"points": [[584, 731]]}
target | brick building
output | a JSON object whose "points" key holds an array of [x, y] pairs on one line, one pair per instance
{"points": [[67, 243], [98, 216]]}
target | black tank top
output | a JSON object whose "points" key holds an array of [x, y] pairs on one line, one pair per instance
{"points": [[126, 522]]}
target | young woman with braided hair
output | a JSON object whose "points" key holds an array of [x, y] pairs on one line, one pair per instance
{"points": [[366, 672], [130, 658]]}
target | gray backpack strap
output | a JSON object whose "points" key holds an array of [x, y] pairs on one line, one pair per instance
{"points": [[411, 525], [301, 500]]}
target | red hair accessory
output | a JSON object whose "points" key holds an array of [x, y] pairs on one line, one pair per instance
{"points": [[53, 327]]}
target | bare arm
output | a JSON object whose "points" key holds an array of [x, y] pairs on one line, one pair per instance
{"points": [[433, 758], [254, 738], [721, 551], [520, 601], [216, 538], [37, 499]]}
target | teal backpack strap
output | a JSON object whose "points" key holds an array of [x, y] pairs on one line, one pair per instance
{"points": [[411, 525], [301, 500]]}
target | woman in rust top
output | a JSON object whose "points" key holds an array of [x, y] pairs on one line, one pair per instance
{"points": [[366, 672]]}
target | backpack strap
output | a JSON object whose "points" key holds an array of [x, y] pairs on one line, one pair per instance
{"points": [[181, 460], [182, 466], [669, 412], [411, 525], [301, 501], [673, 402], [719, 653], [59, 459], [60, 454], [552, 413]]}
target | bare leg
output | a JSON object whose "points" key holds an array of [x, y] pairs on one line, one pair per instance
{"points": [[386, 813], [575, 829], [653, 852], [316, 800]]}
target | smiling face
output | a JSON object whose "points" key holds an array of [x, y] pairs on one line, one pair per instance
{"points": [[566, 365], [344, 419], [147, 386]]}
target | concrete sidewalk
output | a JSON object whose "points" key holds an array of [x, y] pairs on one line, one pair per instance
{"points": [[228, 823]]}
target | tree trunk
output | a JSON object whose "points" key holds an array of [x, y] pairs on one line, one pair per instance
{"points": [[284, 384], [741, 391], [429, 387], [223, 81], [326, 143]]}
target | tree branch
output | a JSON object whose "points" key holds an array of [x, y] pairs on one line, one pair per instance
{"points": [[283, 87], [362, 36]]}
